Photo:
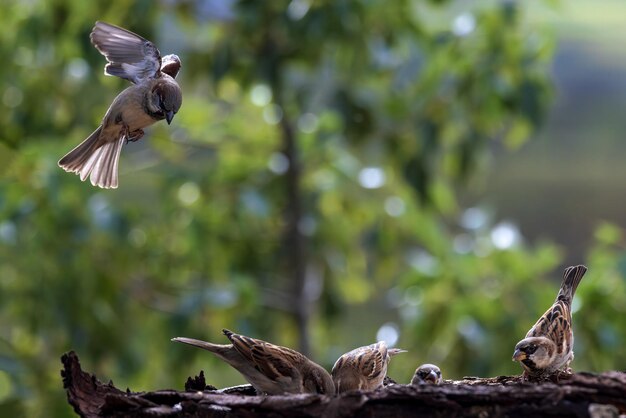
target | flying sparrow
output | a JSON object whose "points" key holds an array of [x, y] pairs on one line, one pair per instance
{"points": [[154, 96], [363, 368], [548, 346], [270, 368], [427, 374]]}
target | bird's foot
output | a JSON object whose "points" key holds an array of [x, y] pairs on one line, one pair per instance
{"points": [[560, 375], [536, 377], [134, 136]]}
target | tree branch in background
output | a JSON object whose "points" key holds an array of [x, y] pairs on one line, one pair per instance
{"points": [[294, 241]]}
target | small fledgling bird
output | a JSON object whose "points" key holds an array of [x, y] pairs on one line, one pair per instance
{"points": [[154, 96], [363, 368], [270, 368], [549, 345], [427, 374]]}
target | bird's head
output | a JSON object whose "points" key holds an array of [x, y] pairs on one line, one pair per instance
{"points": [[427, 374], [166, 99], [535, 353]]}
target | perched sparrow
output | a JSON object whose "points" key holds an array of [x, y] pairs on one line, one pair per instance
{"points": [[548, 346], [363, 368], [270, 368], [154, 96], [427, 374]]}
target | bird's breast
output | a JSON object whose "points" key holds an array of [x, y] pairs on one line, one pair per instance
{"points": [[128, 109], [137, 118]]}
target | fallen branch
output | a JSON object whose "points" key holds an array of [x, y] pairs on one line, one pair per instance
{"points": [[579, 395]]}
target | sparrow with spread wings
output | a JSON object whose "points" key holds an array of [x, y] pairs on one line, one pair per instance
{"points": [[270, 368], [549, 345], [154, 96]]}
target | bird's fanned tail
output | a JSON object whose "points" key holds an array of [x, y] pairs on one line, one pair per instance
{"points": [[74, 160], [571, 278], [96, 159]]}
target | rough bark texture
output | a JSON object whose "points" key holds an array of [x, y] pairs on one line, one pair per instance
{"points": [[579, 395]]}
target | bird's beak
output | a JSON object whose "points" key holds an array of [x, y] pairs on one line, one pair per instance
{"points": [[432, 377], [519, 355], [169, 116]]}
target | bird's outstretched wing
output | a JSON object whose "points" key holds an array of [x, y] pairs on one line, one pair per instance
{"points": [[130, 56]]}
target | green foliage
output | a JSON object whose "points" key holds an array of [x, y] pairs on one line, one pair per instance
{"points": [[392, 114], [601, 302]]}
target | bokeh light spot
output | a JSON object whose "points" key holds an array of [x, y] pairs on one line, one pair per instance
{"points": [[261, 95], [8, 232], [307, 123], [372, 177], [278, 163], [463, 244], [188, 193], [394, 206], [474, 218], [77, 68], [423, 262], [505, 235], [297, 9], [272, 114], [12, 97], [463, 24], [388, 333]]}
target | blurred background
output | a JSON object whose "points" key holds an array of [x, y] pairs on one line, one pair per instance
{"points": [[341, 171]]}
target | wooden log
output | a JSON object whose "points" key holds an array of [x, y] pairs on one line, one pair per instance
{"points": [[577, 395]]}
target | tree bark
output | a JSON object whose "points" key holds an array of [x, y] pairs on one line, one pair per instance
{"points": [[578, 395]]}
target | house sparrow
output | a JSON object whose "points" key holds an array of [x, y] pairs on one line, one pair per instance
{"points": [[154, 96], [427, 374], [270, 368], [363, 368], [548, 346]]}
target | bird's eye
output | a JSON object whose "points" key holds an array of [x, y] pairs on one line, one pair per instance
{"points": [[532, 348], [438, 373]]}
